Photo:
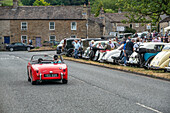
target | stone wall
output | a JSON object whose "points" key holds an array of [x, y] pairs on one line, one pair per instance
{"points": [[95, 29], [162, 26], [141, 27], [4, 28], [40, 28]]}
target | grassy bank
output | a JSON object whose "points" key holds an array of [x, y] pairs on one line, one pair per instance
{"points": [[141, 71]]}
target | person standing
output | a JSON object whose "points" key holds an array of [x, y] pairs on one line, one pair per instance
{"points": [[111, 45], [166, 37], [129, 49], [136, 35], [76, 49]]}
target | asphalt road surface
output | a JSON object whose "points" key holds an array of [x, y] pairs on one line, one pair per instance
{"points": [[90, 89]]}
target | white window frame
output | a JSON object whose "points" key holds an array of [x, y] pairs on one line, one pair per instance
{"points": [[51, 25], [136, 24], [25, 39], [22, 26], [50, 37], [73, 36], [72, 26]]}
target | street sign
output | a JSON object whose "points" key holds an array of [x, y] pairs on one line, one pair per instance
{"points": [[120, 28], [148, 26]]}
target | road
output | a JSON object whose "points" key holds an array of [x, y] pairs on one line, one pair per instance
{"points": [[90, 89]]}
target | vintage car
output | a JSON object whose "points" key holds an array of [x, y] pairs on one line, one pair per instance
{"points": [[144, 55], [19, 46], [66, 46], [90, 53], [45, 68], [168, 67], [109, 54], [161, 60]]}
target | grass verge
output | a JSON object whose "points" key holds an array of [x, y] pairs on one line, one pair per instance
{"points": [[140, 71]]}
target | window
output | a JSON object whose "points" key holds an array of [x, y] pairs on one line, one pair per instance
{"points": [[137, 25], [52, 25], [24, 39], [52, 38], [73, 26], [131, 26], [169, 23], [73, 36], [23, 25]]}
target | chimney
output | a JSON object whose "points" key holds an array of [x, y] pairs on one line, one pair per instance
{"points": [[15, 4]]}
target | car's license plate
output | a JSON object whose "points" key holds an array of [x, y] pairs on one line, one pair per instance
{"points": [[169, 63], [50, 75]]}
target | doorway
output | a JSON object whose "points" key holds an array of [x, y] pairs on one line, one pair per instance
{"points": [[7, 39], [38, 41]]}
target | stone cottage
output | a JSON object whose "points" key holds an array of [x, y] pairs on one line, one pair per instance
{"points": [[44, 23]]}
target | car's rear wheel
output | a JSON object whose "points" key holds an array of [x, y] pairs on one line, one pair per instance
{"points": [[28, 76], [64, 81], [28, 48], [11, 49]]}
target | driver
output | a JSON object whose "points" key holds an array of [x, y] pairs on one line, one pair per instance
{"points": [[56, 60]]}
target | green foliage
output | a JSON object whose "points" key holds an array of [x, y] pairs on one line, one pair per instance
{"points": [[99, 6], [129, 30], [40, 3], [10, 3], [140, 10]]}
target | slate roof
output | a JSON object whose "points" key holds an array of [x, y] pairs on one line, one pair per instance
{"points": [[167, 19], [116, 17], [42, 12]]}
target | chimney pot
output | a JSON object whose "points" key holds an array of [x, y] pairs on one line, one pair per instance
{"points": [[15, 4]]}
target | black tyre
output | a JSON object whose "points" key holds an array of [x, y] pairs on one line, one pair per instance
{"points": [[11, 49], [64, 81], [29, 79]]}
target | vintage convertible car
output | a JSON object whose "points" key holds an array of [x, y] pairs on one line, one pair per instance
{"points": [[45, 68], [144, 55], [161, 60]]}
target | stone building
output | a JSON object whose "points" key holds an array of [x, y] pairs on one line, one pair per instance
{"points": [[113, 20], [164, 23], [45, 23]]}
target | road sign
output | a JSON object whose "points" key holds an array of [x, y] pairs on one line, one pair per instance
{"points": [[148, 26], [120, 28]]}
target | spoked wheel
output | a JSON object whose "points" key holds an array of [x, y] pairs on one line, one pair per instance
{"points": [[64, 81], [28, 48]]}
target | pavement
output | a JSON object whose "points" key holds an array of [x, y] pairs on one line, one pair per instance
{"points": [[90, 89]]}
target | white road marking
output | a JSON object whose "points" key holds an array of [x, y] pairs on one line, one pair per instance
{"points": [[148, 108]]}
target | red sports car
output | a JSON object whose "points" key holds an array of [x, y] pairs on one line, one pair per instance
{"points": [[47, 68]]}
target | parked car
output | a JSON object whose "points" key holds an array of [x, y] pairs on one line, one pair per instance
{"points": [[88, 52], [144, 55], [168, 67], [66, 46], [19, 46], [44, 68], [161, 60], [51, 43], [114, 53]]}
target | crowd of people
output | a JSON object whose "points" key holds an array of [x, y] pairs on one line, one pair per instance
{"points": [[129, 44]]}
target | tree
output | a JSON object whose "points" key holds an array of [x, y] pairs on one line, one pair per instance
{"points": [[10, 3], [140, 10], [40, 3]]}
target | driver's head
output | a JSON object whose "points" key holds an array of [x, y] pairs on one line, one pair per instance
{"points": [[55, 57], [39, 60]]}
